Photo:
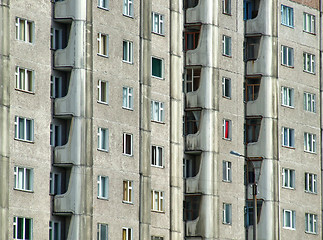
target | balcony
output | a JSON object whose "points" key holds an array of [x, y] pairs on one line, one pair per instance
{"points": [[73, 103], [70, 9], [191, 36], [200, 12], [253, 125]]}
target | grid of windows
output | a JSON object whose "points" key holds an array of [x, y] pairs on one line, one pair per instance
{"points": [[226, 129], [308, 23], [128, 8], [127, 55], [288, 178], [289, 219], [226, 87], [227, 171], [309, 62], [287, 16], [103, 44], [157, 201], [157, 23], [157, 111], [103, 187], [156, 156], [23, 178], [288, 96], [227, 213], [103, 92], [310, 223], [287, 55], [127, 98], [226, 6], [288, 138], [54, 230], [22, 228], [24, 30], [310, 182], [24, 129], [309, 102], [102, 231], [103, 4], [310, 142], [127, 144], [103, 139], [127, 191], [226, 46], [24, 79]]}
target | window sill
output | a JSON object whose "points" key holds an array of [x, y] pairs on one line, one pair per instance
{"points": [[156, 166], [226, 55], [310, 152], [285, 65], [290, 26], [24, 91], [128, 155], [288, 147], [31, 43], [311, 33], [102, 55], [288, 188], [310, 111], [157, 211], [103, 8], [227, 14], [155, 121], [22, 190], [126, 202], [102, 198], [292, 107], [128, 16], [128, 62], [159, 34], [289, 228], [305, 71], [313, 193], [228, 224], [313, 233], [104, 103], [126, 108], [102, 150], [227, 139], [23, 140], [160, 78], [227, 181]]}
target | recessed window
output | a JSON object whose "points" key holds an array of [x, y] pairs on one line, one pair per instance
{"points": [[156, 156], [103, 92], [127, 52], [56, 38], [288, 178], [289, 219], [128, 8], [191, 37], [308, 23], [157, 111], [192, 78], [226, 87], [309, 62], [24, 79], [157, 23], [253, 125], [103, 139], [103, 44], [23, 178], [227, 171], [226, 6], [287, 16], [226, 128], [309, 102], [288, 96], [309, 142], [22, 228], [288, 139], [126, 233], [103, 187], [157, 67], [287, 55], [24, 30], [56, 135], [24, 129], [227, 213], [310, 182], [127, 144], [102, 231], [55, 230], [226, 46], [310, 223], [103, 4], [127, 191], [55, 183], [127, 98], [58, 87], [157, 201]]}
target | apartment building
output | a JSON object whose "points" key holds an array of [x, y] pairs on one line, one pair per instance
{"points": [[118, 118]]}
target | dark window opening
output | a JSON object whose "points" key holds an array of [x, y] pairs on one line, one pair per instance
{"points": [[252, 89], [191, 207], [252, 48], [253, 129], [250, 9], [192, 121], [191, 166], [249, 218], [191, 36], [190, 3]]}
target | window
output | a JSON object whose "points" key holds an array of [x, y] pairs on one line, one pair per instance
{"points": [[289, 219], [23, 178], [226, 87], [128, 8], [310, 223], [103, 4], [287, 55], [287, 15], [127, 144], [157, 23], [252, 89], [103, 44], [252, 129], [227, 218], [24, 30], [54, 230], [58, 87], [157, 201], [310, 182], [156, 238], [226, 6], [288, 97], [288, 137], [309, 102], [126, 233], [103, 92], [103, 187], [127, 191], [157, 111], [127, 98], [56, 138], [22, 228], [24, 79], [226, 46], [192, 78], [191, 36], [309, 62], [157, 67], [56, 38], [308, 23], [127, 52], [191, 121], [24, 129], [55, 183], [102, 231], [288, 178], [227, 171], [226, 127], [156, 156], [309, 142], [103, 139]]}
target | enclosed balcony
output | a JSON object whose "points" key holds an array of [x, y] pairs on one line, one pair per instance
{"points": [[192, 120], [191, 36], [252, 129], [70, 9], [192, 173], [250, 9], [198, 11], [190, 3], [59, 129], [252, 47], [191, 207]]}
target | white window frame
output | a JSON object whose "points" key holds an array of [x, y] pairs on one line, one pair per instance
{"points": [[26, 122], [287, 94], [291, 224], [226, 46], [162, 68], [157, 111], [287, 56], [56, 36], [127, 191], [128, 8], [224, 129], [287, 16], [290, 137], [28, 26], [103, 44], [227, 171], [125, 135], [309, 63], [226, 87], [157, 201], [309, 102], [23, 81], [103, 92], [16, 228], [308, 23], [99, 231], [103, 143], [127, 101], [157, 154], [104, 4], [288, 178], [309, 142], [310, 183], [55, 183], [157, 23], [103, 187], [226, 7], [52, 230], [227, 213], [310, 223], [24, 177], [127, 51]]}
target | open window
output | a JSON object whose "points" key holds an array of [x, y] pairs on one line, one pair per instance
{"points": [[192, 78], [252, 88], [192, 121], [191, 36]]}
